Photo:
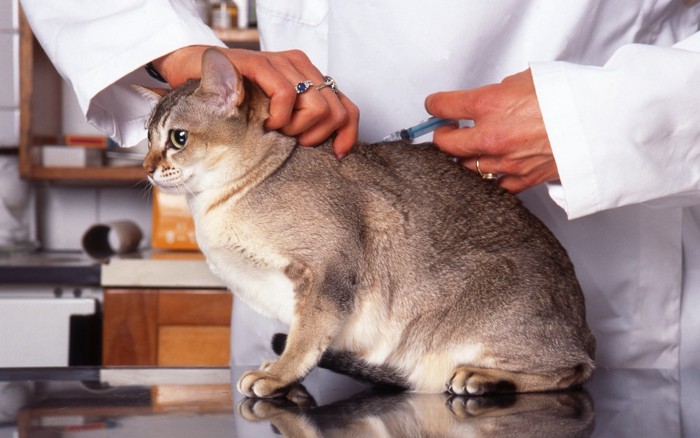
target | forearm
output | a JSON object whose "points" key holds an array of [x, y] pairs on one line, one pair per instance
{"points": [[101, 49], [625, 133], [95, 45]]}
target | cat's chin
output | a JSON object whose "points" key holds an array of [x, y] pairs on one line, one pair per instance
{"points": [[172, 190], [166, 188]]}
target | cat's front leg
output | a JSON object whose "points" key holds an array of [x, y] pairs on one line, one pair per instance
{"points": [[317, 318], [309, 337]]}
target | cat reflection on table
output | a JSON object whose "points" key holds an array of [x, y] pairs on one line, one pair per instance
{"points": [[384, 414], [394, 265]]}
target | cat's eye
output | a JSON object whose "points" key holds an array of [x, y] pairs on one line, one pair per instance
{"points": [[178, 138]]}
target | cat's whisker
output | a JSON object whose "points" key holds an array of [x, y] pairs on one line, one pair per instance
{"points": [[146, 189], [189, 191]]}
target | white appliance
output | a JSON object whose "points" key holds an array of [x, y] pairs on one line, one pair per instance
{"points": [[35, 324]]}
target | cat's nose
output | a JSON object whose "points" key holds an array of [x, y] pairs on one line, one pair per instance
{"points": [[149, 168]]}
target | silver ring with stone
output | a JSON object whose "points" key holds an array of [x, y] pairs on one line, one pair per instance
{"points": [[303, 87], [329, 82]]}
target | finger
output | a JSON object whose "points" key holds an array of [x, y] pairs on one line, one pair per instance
{"points": [[461, 104], [537, 173], [310, 109], [309, 106], [278, 74], [496, 165], [470, 164], [281, 107], [445, 105], [311, 116], [317, 113], [346, 136], [458, 142], [272, 80], [481, 165], [514, 184], [342, 119]]}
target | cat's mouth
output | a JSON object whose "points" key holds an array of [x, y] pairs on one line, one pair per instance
{"points": [[169, 186]]}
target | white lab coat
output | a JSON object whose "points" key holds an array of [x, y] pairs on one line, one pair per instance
{"points": [[617, 85]]}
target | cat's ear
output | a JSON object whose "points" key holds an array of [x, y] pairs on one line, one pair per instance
{"points": [[220, 78], [153, 95]]}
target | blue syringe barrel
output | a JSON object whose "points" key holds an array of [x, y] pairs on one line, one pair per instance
{"points": [[425, 127]]}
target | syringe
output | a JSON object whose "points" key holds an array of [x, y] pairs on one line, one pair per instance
{"points": [[421, 128]]}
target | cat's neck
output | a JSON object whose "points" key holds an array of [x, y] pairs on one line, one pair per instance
{"points": [[231, 189]]}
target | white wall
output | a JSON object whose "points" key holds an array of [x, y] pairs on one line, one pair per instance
{"points": [[9, 74], [64, 213], [58, 213]]}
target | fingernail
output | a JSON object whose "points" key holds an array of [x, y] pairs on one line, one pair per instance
{"points": [[340, 157], [427, 101]]}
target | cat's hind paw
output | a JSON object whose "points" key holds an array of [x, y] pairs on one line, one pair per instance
{"points": [[261, 384], [478, 381]]}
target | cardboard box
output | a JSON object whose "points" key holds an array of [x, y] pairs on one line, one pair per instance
{"points": [[70, 156], [173, 226]]}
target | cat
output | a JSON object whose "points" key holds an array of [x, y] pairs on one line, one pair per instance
{"points": [[395, 265]]}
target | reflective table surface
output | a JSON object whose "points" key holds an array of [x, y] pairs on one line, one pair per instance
{"points": [[130, 402]]}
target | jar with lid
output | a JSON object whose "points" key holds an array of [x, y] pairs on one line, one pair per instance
{"points": [[224, 14]]}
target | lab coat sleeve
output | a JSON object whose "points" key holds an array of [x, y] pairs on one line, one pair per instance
{"points": [[627, 132], [100, 48]]}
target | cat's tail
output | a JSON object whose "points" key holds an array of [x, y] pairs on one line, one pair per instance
{"points": [[344, 362]]}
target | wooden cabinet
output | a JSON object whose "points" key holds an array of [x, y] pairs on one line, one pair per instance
{"points": [[38, 78], [166, 327]]}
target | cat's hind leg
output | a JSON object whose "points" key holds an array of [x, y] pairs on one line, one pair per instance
{"points": [[477, 381]]}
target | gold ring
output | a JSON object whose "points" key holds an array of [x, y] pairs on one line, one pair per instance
{"points": [[484, 175]]}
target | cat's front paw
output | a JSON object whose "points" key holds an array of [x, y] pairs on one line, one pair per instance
{"points": [[297, 398], [265, 366], [254, 410], [261, 384]]}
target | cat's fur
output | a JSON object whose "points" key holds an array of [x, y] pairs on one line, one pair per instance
{"points": [[397, 262]]}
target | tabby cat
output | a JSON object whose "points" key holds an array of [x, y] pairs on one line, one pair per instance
{"points": [[395, 265]]}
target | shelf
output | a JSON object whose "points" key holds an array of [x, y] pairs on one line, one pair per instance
{"points": [[37, 76], [106, 174], [32, 92], [238, 36]]}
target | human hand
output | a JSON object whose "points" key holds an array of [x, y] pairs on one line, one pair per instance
{"points": [[312, 117], [508, 136]]}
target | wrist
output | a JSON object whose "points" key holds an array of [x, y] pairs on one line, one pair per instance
{"points": [[180, 65]]}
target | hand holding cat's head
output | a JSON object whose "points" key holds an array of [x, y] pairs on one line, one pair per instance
{"points": [[205, 132], [220, 82]]}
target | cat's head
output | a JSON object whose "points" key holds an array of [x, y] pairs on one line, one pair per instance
{"points": [[205, 133]]}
